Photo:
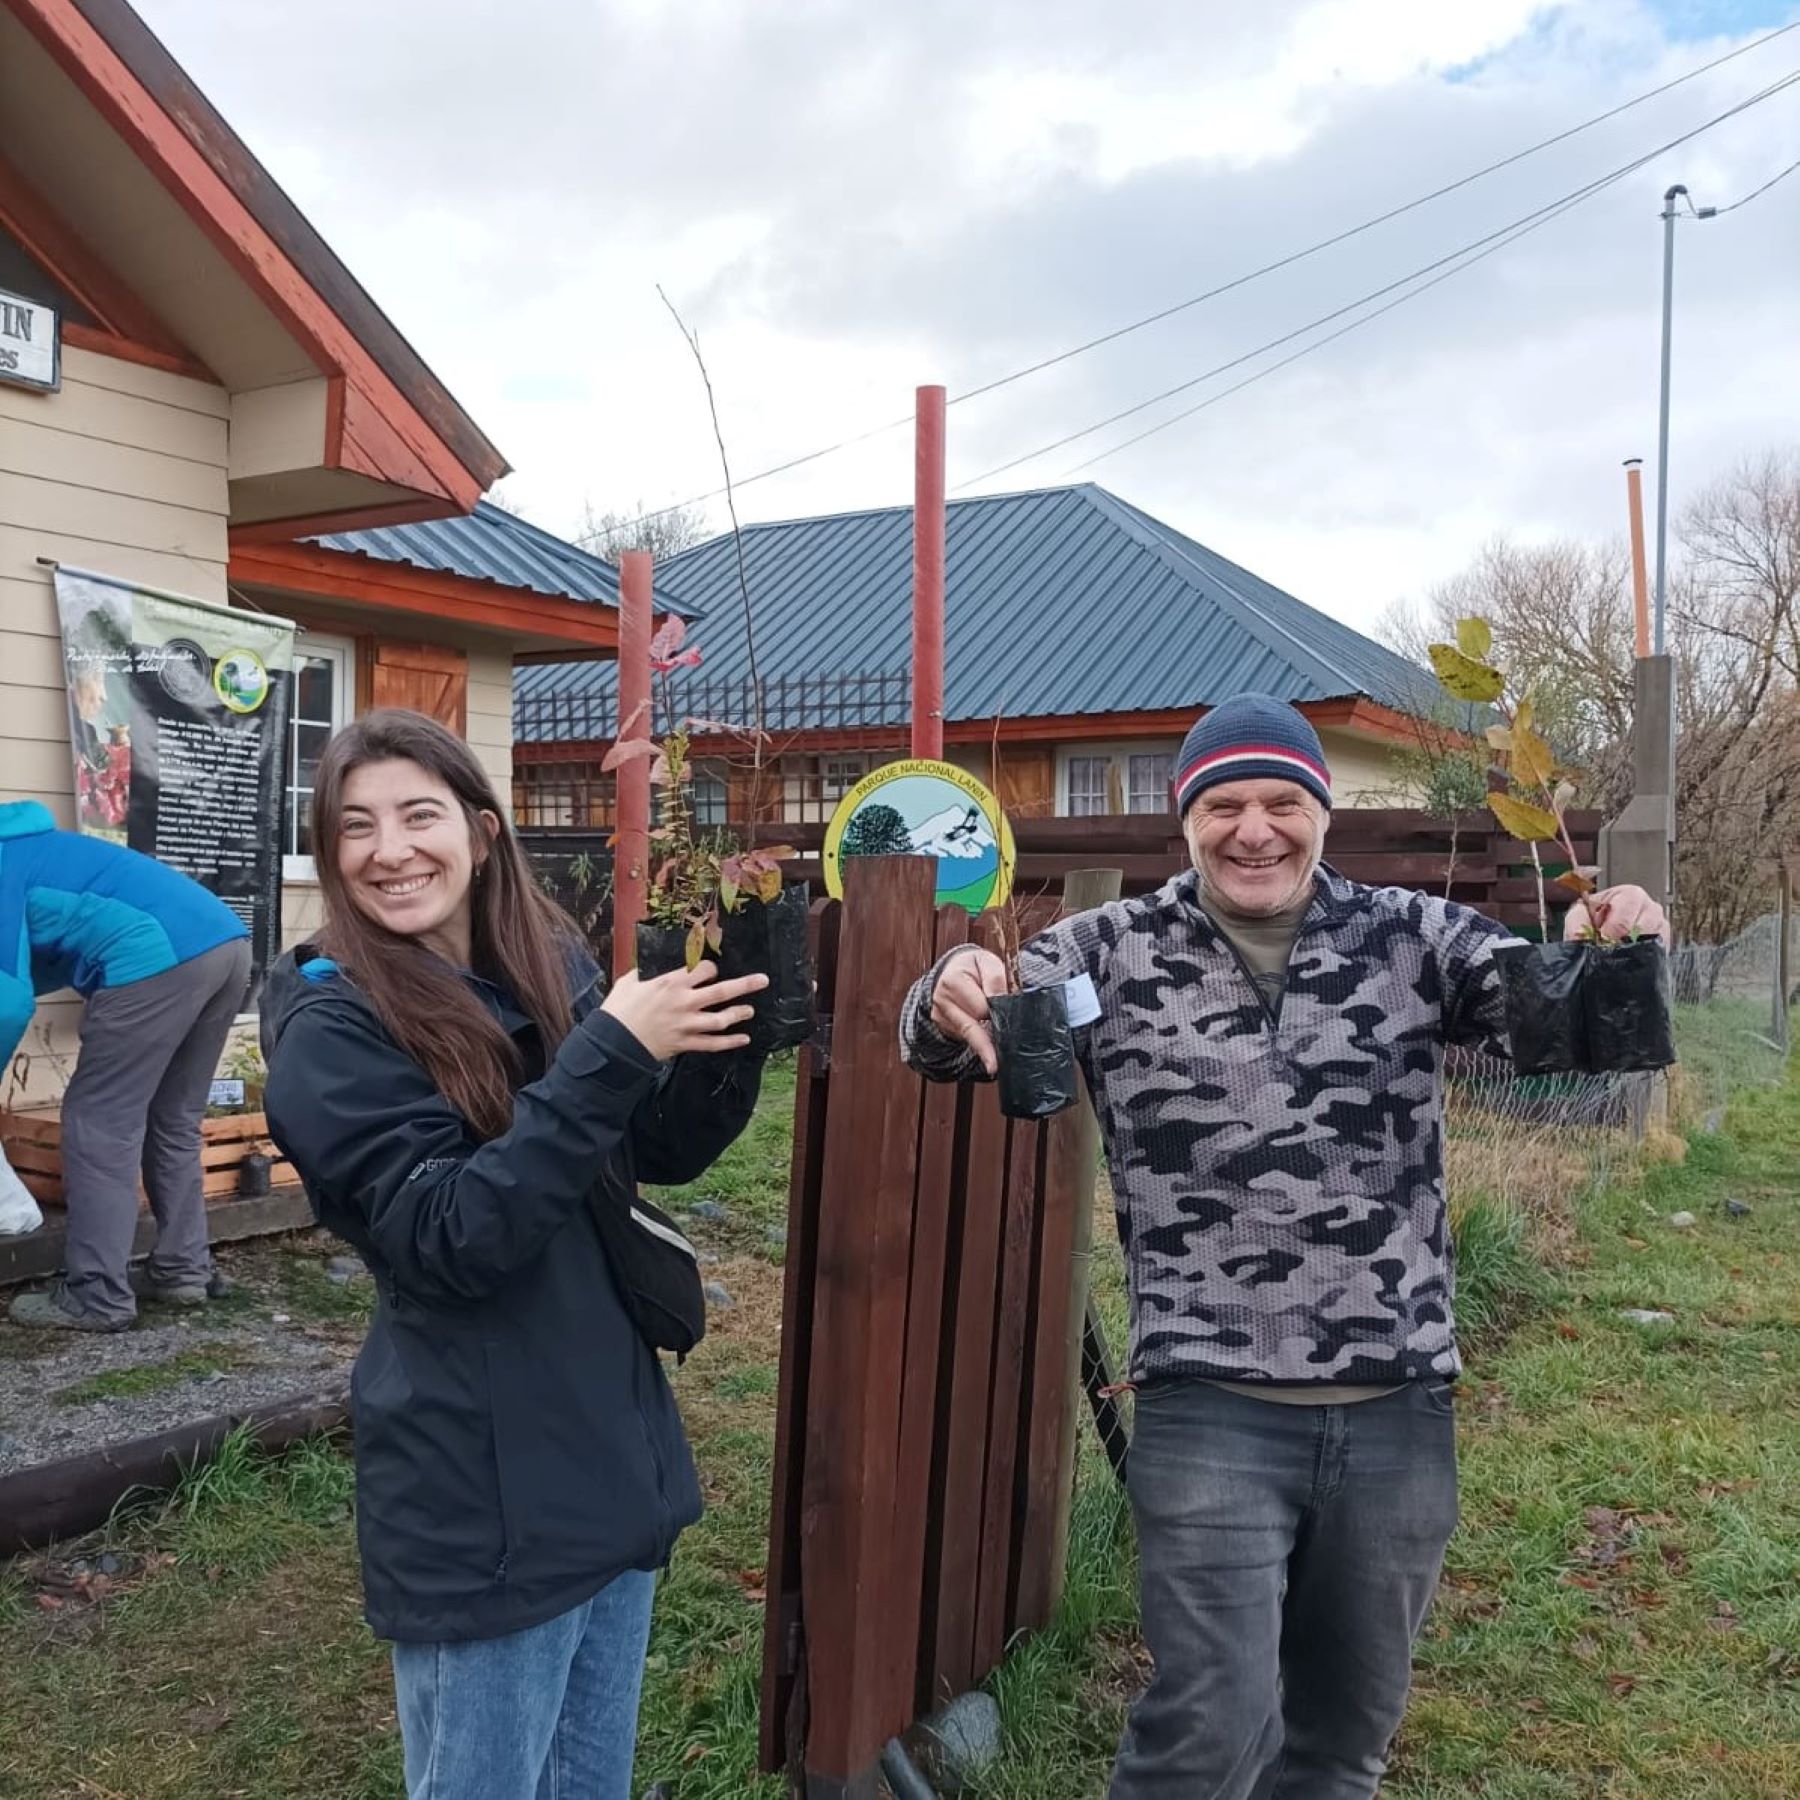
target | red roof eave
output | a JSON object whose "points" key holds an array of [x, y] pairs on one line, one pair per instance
{"points": [[341, 577], [390, 417]]}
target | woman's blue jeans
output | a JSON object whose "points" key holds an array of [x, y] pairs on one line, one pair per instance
{"points": [[549, 1713]]}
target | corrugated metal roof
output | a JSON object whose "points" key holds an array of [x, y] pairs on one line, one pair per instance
{"points": [[491, 544], [1057, 601]]}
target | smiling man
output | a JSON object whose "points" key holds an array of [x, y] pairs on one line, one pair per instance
{"points": [[1267, 1066]]}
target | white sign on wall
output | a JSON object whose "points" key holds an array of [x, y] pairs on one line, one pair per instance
{"points": [[30, 342]]}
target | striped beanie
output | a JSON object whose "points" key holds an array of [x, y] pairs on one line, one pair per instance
{"points": [[1251, 737]]}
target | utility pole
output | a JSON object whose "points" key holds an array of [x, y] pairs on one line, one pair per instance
{"points": [[1662, 427]]}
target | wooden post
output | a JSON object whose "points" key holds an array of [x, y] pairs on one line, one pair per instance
{"points": [[1784, 974], [858, 1355], [631, 855], [1083, 890]]}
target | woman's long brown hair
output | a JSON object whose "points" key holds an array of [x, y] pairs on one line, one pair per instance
{"points": [[518, 937]]}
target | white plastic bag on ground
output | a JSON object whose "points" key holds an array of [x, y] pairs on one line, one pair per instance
{"points": [[18, 1211]]}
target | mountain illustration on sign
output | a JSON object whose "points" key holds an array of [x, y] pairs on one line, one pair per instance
{"points": [[923, 813]]}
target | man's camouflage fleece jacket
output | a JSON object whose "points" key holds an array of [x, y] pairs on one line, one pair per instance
{"points": [[1279, 1176]]}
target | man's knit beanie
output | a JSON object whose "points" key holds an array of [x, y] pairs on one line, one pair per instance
{"points": [[1251, 737]]}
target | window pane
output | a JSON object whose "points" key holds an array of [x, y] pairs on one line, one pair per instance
{"points": [[299, 821], [1087, 785], [709, 800], [318, 702], [1149, 785], [309, 746], [312, 691]]}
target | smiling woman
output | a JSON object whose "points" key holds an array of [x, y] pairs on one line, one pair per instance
{"points": [[469, 1116]]}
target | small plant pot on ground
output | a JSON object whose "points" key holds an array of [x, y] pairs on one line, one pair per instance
{"points": [[1035, 1051], [661, 949], [1626, 991], [770, 939]]}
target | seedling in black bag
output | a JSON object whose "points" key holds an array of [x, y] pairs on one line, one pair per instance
{"points": [[1591, 1004], [706, 896], [1033, 1046]]}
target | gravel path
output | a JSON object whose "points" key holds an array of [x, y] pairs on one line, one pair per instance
{"points": [[291, 1328]]}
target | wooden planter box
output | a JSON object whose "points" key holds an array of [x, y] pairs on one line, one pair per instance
{"points": [[34, 1148]]}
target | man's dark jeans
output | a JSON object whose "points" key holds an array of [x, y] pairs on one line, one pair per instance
{"points": [[1289, 1554]]}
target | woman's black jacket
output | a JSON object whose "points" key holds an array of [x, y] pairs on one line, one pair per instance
{"points": [[517, 1445]]}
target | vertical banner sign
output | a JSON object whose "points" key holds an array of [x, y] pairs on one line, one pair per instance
{"points": [[178, 717]]}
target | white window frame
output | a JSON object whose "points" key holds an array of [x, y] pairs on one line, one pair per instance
{"points": [[1117, 751], [341, 651]]}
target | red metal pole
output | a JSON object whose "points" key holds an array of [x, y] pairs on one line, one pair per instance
{"points": [[631, 855], [928, 574]]}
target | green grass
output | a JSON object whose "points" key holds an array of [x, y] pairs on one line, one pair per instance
{"points": [[152, 1378], [1619, 1620], [751, 1179]]}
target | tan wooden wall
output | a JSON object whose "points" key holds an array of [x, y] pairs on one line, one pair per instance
{"points": [[123, 471]]}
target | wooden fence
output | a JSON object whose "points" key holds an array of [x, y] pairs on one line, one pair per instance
{"points": [[930, 1331], [1468, 857]]}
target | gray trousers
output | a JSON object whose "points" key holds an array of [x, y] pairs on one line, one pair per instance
{"points": [[1289, 1554], [149, 1051]]}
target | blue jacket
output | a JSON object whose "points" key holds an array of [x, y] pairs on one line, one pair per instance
{"points": [[82, 913]]}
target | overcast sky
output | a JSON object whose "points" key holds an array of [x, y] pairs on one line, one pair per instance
{"points": [[849, 197]]}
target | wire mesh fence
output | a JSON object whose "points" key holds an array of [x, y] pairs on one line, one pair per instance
{"points": [[1534, 1144]]}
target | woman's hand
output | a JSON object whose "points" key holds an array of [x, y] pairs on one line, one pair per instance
{"points": [[959, 1002], [686, 1010]]}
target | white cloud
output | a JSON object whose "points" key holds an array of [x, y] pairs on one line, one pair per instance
{"points": [[847, 199]]}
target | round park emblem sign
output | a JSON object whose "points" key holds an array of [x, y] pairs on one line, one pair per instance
{"points": [[923, 808]]}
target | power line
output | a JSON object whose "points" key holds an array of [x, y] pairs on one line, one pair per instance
{"points": [[1496, 239], [1718, 212], [1062, 356], [1288, 261], [1509, 238]]}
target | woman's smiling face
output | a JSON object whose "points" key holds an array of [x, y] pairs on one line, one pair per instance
{"points": [[406, 854]]}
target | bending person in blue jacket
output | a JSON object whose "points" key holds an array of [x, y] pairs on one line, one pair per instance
{"points": [[467, 1117], [163, 966]]}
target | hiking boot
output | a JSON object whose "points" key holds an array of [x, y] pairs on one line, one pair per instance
{"points": [[151, 1287], [53, 1309]]}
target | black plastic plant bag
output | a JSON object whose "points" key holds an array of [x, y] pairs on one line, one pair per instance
{"points": [[1626, 991], [661, 949], [770, 939], [784, 1011], [1545, 1018], [1035, 1051]]}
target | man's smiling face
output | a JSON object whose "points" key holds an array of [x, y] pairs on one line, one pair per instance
{"points": [[1256, 843]]}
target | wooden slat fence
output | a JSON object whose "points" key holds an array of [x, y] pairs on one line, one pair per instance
{"points": [[1383, 846], [925, 1405]]}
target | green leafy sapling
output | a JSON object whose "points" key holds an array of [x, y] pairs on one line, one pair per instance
{"points": [[693, 879], [1535, 810]]}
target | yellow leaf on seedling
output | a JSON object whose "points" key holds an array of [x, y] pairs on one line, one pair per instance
{"points": [[1532, 757], [696, 943], [1522, 716], [1573, 878], [1463, 677], [1474, 638], [1531, 824]]}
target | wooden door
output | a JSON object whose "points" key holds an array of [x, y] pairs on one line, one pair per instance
{"points": [[429, 678]]}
